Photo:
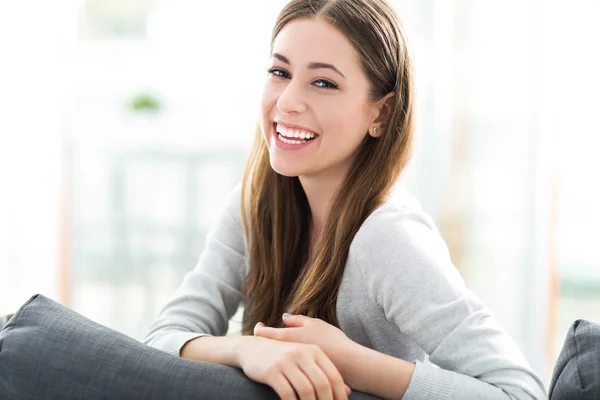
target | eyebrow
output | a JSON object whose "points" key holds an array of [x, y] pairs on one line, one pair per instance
{"points": [[312, 65]]}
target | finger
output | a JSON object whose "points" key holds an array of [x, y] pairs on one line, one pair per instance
{"points": [[318, 378], [295, 320], [258, 325], [281, 386], [348, 390], [300, 382], [281, 334], [335, 378]]}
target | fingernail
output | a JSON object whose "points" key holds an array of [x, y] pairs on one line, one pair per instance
{"points": [[287, 315]]}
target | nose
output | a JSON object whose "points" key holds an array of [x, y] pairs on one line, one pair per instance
{"points": [[291, 100]]}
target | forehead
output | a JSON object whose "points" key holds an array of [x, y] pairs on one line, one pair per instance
{"points": [[307, 40]]}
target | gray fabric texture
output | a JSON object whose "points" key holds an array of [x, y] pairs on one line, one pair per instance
{"points": [[577, 372], [400, 295], [50, 352]]}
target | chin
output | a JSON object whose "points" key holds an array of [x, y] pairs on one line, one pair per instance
{"points": [[289, 172], [285, 169]]}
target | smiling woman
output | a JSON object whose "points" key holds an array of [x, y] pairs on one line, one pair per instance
{"points": [[318, 87], [344, 282]]}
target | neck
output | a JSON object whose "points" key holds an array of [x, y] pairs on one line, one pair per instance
{"points": [[320, 192]]}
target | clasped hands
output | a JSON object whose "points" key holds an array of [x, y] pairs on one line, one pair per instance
{"points": [[311, 366]]}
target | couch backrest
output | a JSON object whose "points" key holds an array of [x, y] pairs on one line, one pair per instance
{"points": [[577, 371]]}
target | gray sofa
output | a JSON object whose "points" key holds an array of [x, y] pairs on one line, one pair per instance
{"points": [[577, 372], [48, 351]]}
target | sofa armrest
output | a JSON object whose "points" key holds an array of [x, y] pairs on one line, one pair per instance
{"points": [[49, 351]]}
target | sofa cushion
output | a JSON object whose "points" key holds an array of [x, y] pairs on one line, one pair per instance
{"points": [[48, 351], [577, 371]]}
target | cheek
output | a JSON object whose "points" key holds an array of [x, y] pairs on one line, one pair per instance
{"points": [[342, 119], [267, 104], [269, 98]]}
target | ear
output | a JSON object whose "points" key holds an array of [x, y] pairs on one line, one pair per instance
{"points": [[383, 112]]}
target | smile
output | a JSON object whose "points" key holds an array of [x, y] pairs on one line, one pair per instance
{"points": [[292, 137]]}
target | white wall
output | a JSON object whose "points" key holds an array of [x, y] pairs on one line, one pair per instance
{"points": [[34, 41]]}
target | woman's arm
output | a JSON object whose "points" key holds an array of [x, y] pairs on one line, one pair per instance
{"points": [[369, 371], [364, 369], [222, 350], [408, 272], [404, 266], [289, 368]]}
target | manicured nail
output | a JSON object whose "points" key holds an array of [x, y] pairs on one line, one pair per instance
{"points": [[287, 315]]}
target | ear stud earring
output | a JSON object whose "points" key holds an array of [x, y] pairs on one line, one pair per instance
{"points": [[375, 130]]}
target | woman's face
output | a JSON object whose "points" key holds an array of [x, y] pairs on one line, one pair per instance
{"points": [[315, 105]]}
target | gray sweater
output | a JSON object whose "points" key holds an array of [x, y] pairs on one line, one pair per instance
{"points": [[400, 295]]}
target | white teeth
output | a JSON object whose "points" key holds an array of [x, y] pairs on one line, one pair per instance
{"points": [[288, 141], [294, 133]]}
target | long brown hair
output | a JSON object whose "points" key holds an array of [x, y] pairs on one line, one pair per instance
{"points": [[275, 211]]}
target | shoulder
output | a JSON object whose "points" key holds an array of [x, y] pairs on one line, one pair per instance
{"points": [[400, 218], [226, 216], [399, 252], [399, 233], [232, 202], [234, 197]]}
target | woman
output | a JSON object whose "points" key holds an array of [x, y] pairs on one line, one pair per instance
{"points": [[370, 296]]}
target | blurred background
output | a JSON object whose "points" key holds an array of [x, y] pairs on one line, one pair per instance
{"points": [[125, 123]]}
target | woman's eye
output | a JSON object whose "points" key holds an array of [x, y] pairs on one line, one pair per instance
{"points": [[320, 83], [278, 72], [324, 83]]}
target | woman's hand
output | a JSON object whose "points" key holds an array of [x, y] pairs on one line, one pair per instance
{"points": [[292, 368], [303, 329]]}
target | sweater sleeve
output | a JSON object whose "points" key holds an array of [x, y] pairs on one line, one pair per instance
{"points": [[209, 294], [409, 274]]}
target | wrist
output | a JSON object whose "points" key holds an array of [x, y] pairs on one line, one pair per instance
{"points": [[240, 347], [346, 358], [223, 350], [367, 370]]}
